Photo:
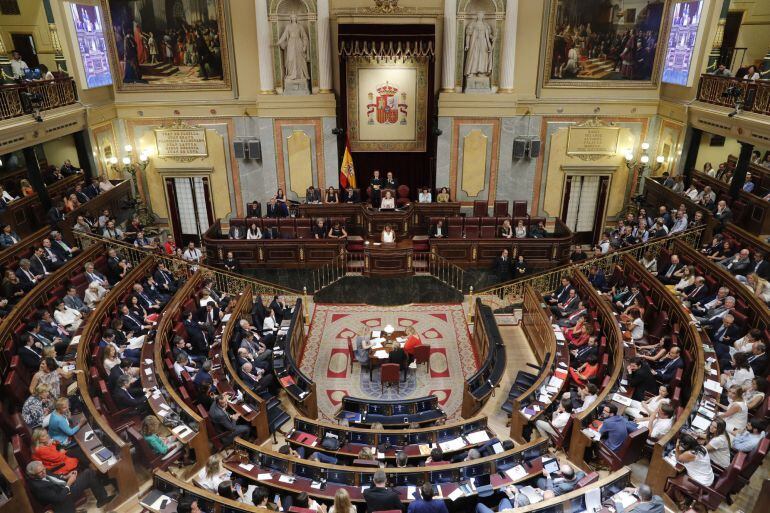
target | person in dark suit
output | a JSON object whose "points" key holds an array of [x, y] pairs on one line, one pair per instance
{"points": [[165, 279], [236, 232], [196, 334], [257, 379], [312, 195], [390, 181], [273, 209], [31, 352], [68, 168], [27, 277], [376, 184], [379, 497], [399, 356], [226, 422], [349, 195], [566, 307], [154, 292], [63, 250], [62, 492], [666, 275], [123, 369], [596, 278], [694, 293], [437, 231], [502, 266], [626, 299], [145, 300], [38, 264], [81, 195], [760, 266], [117, 267], [668, 365], [254, 209], [561, 293], [125, 399], [319, 229], [278, 306], [133, 323], [258, 312], [723, 335], [50, 328], [55, 215], [758, 359], [581, 354], [723, 214], [641, 379]]}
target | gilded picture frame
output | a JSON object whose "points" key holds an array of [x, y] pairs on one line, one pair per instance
{"points": [[373, 106], [177, 52], [580, 75]]}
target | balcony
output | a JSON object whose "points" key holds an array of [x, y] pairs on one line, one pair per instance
{"points": [[53, 94], [755, 96]]}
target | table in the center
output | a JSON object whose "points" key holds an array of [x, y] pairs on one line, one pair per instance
{"points": [[390, 260], [388, 345]]}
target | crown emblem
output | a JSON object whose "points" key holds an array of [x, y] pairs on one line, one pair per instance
{"points": [[387, 90]]}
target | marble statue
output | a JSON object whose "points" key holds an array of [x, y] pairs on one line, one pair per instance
{"points": [[294, 43], [478, 48]]}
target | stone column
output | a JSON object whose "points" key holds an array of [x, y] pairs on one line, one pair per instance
{"points": [[324, 48], [266, 85], [692, 155], [450, 45], [35, 177], [508, 54]]}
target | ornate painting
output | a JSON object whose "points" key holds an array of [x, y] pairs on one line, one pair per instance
{"points": [[168, 44], [387, 104], [604, 43]]}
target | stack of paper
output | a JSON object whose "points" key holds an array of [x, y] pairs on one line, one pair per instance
{"points": [[246, 466], [625, 401], [555, 382], [267, 476], [286, 479], [516, 473], [381, 354], [701, 423], [712, 385], [452, 445], [477, 437]]}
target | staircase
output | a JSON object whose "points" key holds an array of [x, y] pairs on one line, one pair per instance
{"points": [[159, 69], [276, 415], [596, 68]]}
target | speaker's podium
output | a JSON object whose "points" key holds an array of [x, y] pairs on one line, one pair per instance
{"points": [[389, 260]]}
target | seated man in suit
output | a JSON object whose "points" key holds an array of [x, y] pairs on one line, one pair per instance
{"points": [[236, 232], [437, 231], [125, 399], [257, 349], [224, 421], [133, 323], [60, 247], [759, 359], [153, 290], [561, 293], [641, 379], [723, 335], [164, 279], [31, 351], [278, 305], [566, 481], [596, 278], [694, 293], [197, 335], [582, 353], [566, 307], [701, 308], [379, 497], [738, 264], [713, 316], [669, 364], [667, 274], [124, 369], [259, 381], [349, 195], [626, 299], [144, 299], [53, 259], [571, 319], [62, 492], [27, 277], [92, 275], [117, 266], [39, 265], [50, 328], [312, 195]]}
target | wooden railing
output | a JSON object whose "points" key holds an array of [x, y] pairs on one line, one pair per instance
{"points": [[542, 341], [200, 441], [128, 484], [18, 500], [10, 256], [15, 99], [171, 486], [609, 327], [488, 345], [27, 214], [755, 96]]}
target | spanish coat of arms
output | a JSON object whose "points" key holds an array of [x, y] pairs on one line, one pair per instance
{"points": [[387, 106]]}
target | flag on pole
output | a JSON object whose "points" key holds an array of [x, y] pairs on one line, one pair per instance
{"points": [[347, 170]]}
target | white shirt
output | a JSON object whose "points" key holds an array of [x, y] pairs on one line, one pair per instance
{"points": [[388, 236], [739, 377], [18, 67], [192, 255], [7, 197], [587, 402], [178, 368], [637, 332], [253, 235], [699, 469], [269, 324], [211, 483], [660, 427], [719, 451], [737, 421], [560, 419], [106, 186], [67, 316], [425, 197], [388, 203]]}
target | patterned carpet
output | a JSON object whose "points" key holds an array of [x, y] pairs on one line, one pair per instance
{"points": [[443, 327]]}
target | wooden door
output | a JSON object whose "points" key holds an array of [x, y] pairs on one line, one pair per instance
{"points": [[584, 206], [191, 212]]}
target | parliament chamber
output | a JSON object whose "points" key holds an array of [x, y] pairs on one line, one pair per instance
{"points": [[382, 256]]}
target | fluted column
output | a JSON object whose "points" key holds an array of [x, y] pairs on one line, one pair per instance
{"points": [[266, 85], [508, 55], [324, 48], [450, 45]]}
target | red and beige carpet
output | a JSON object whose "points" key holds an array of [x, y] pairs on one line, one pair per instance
{"points": [[443, 327]]}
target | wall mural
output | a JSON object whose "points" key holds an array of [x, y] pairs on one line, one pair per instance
{"points": [[387, 104], [168, 44], [603, 43]]}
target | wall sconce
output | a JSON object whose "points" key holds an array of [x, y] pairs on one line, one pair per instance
{"points": [[132, 166], [639, 167]]}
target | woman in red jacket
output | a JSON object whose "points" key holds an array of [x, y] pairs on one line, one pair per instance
{"points": [[412, 341], [47, 452]]}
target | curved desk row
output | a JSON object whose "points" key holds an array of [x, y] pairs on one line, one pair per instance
{"points": [[296, 475], [397, 413], [416, 443], [289, 344], [490, 349], [27, 214]]}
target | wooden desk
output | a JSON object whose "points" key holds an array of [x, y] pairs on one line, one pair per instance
{"points": [[18, 502], [391, 260]]}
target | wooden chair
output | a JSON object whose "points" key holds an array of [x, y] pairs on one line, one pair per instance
{"points": [[711, 497], [422, 355], [389, 374], [629, 452], [480, 208], [148, 457]]}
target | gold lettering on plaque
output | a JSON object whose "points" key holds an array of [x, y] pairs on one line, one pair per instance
{"points": [[181, 140], [590, 140]]}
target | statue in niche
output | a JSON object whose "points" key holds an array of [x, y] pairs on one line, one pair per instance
{"points": [[479, 44], [295, 43]]}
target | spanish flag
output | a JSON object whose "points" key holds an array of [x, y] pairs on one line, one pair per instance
{"points": [[347, 170]]}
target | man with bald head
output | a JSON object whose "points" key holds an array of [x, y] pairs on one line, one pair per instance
{"points": [[738, 264]]}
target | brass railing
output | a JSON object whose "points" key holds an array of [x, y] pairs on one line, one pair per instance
{"points": [[343, 263], [224, 281], [16, 100], [512, 292], [754, 96], [440, 268]]}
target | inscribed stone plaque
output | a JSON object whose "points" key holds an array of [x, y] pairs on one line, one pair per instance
{"points": [[593, 140], [174, 142]]}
